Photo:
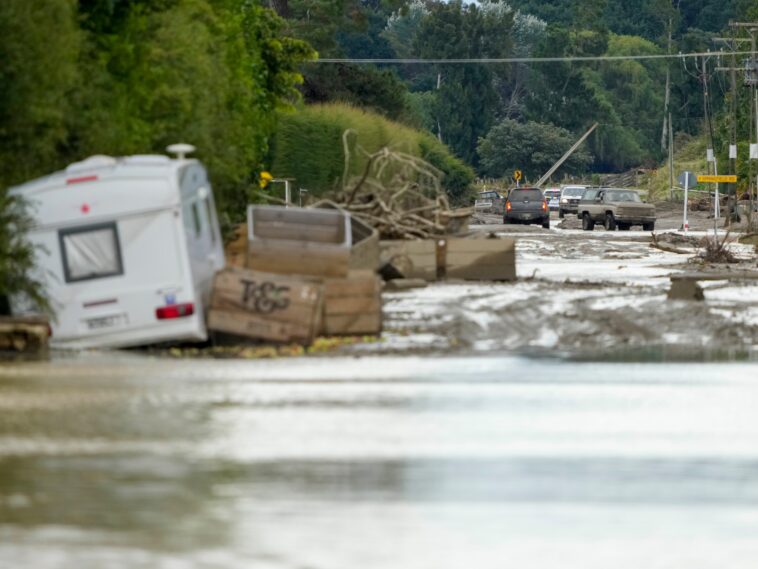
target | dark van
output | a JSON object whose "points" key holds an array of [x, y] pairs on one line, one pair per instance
{"points": [[526, 205]]}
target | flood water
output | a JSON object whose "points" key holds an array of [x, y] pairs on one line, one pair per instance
{"points": [[121, 461]]}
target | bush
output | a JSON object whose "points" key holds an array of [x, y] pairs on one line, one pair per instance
{"points": [[308, 147], [17, 255]]}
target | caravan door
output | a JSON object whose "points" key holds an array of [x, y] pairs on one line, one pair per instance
{"points": [[201, 228]]}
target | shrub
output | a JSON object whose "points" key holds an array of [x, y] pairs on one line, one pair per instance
{"points": [[308, 147]]}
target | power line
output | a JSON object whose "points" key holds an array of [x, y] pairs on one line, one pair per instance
{"points": [[485, 60]]}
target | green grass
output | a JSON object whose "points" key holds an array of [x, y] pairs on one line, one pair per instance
{"points": [[689, 156]]}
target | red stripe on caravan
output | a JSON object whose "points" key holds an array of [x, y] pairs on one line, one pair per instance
{"points": [[80, 180]]}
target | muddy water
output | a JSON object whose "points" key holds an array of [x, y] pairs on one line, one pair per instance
{"points": [[488, 462]]}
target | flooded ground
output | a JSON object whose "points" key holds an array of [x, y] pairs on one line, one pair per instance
{"points": [[118, 461], [583, 293], [490, 428]]}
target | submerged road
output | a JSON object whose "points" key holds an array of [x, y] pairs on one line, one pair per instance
{"points": [[123, 461]]}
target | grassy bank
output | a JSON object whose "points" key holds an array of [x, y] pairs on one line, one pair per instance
{"points": [[308, 147], [689, 155]]}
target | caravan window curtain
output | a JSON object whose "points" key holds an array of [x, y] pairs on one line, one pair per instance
{"points": [[91, 252]]}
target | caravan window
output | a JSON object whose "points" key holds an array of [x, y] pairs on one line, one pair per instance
{"points": [[196, 220], [209, 213], [90, 252]]}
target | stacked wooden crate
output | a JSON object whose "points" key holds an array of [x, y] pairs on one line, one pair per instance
{"points": [[265, 306], [353, 305], [310, 255], [295, 241]]}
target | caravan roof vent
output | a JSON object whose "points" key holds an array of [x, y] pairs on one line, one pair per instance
{"points": [[98, 161], [181, 150]]}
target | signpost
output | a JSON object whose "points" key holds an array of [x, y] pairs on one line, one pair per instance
{"points": [[728, 179], [517, 177], [716, 179], [687, 179]]}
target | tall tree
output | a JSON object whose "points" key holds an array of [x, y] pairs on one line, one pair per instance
{"points": [[530, 147], [466, 100], [211, 72], [39, 43]]}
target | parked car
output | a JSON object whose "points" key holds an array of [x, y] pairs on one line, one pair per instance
{"points": [[489, 201], [526, 205], [614, 208], [553, 197], [570, 196], [128, 248]]}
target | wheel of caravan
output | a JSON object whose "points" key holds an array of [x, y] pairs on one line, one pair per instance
{"points": [[610, 222], [648, 226], [587, 223]]}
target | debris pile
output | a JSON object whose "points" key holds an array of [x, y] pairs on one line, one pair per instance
{"points": [[24, 334], [715, 251], [675, 243], [398, 194]]}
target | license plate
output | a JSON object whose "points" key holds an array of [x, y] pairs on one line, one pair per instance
{"points": [[106, 321], [526, 216]]}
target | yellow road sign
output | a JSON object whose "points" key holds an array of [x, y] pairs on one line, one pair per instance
{"points": [[265, 178], [517, 175], [716, 179]]}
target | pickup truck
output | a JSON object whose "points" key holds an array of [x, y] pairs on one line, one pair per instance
{"points": [[615, 208]]}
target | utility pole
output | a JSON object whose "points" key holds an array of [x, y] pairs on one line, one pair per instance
{"points": [[709, 155], [732, 187], [671, 159], [667, 96], [750, 70]]}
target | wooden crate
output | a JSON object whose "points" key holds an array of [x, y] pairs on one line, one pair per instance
{"points": [[452, 257], [265, 306], [353, 305], [296, 259], [27, 334], [235, 250], [413, 259], [364, 249], [480, 259], [298, 241]]}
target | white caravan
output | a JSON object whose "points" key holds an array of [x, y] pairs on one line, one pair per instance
{"points": [[127, 247]]}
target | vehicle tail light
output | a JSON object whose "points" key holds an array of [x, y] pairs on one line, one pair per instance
{"points": [[544, 205], [175, 311], [508, 206]]}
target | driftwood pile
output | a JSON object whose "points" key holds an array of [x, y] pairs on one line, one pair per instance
{"points": [[700, 204], [398, 194]]}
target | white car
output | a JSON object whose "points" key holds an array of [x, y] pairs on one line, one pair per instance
{"points": [[570, 196]]}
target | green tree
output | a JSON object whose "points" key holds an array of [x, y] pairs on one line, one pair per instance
{"points": [[17, 255], [39, 42], [531, 147], [466, 100], [379, 90], [211, 72], [344, 29]]}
